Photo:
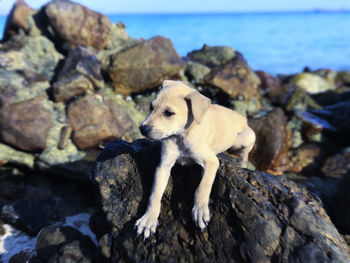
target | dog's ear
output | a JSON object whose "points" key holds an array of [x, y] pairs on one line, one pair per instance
{"points": [[199, 104]]}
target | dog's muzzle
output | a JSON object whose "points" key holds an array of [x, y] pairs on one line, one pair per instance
{"points": [[145, 130]]}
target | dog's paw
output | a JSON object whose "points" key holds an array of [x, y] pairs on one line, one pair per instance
{"points": [[147, 225], [201, 216]]}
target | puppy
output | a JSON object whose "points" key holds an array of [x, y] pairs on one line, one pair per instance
{"points": [[190, 128]]}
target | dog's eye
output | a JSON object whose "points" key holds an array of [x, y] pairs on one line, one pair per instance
{"points": [[151, 107], [168, 113]]}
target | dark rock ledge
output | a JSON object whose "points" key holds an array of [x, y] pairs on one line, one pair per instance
{"points": [[255, 217]]}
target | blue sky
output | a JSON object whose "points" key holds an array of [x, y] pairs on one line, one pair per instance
{"points": [[194, 6]]}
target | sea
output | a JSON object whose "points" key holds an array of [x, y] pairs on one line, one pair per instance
{"points": [[279, 43]]}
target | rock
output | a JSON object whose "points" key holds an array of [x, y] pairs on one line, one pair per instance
{"points": [[30, 215], [268, 82], [212, 56], [78, 25], [12, 156], [235, 78], [80, 73], [343, 78], [196, 71], [327, 74], [337, 166], [25, 256], [143, 66], [306, 159], [97, 118], [270, 152], [311, 83], [298, 99], [256, 217], [16, 20], [61, 243], [332, 96], [25, 125], [294, 129]]}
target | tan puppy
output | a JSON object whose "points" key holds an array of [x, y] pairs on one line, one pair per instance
{"points": [[190, 128]]}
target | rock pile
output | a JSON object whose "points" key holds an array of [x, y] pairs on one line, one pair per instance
{"points": [[71, 81]]}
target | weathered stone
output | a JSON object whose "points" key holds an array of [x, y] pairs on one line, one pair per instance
{"points": [[268, 82], [80, 73], [303, 159], [97, 118], [312, 83], [341, 212], [25, 256], [196, 71], [343, 78], [337, 166], [143, 66], [78, 25], [255, 217], [17, 19], [298, 99], [55, 243], [270, 152], [31, 215], [212, 56], [327, 74], [12, 156], [235, 78], [294, 129], [25, 125]]}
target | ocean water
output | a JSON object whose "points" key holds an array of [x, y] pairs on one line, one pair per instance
{"points": [[274, 42]]}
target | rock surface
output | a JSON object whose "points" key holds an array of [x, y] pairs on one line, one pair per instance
{"points": [[212, 56], [311, 83], [143, 66], [26, 124], [272, 142], [256, 217], [78, 25], [235, 78]]}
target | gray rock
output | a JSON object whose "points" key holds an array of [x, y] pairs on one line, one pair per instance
{"points": [[312, 83], [212, 55], [196, 71], [255, 217]]}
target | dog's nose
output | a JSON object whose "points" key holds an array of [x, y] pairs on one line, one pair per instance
{"points": [[145, 130]]}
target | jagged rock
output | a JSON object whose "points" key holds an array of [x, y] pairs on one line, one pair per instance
{"points": [[235, 78], [143, 66], [312, 83], [25, 256], [343, 78], [270, 152], [78, 25], [64, 244], [212, 56], [196, 71], [327, 74], [298, 99], [306, 159], [97, 118], [256, 217], [341, 212], [268, 82], [17, 19], [337, 166], [25, 124], [80, 73], [30, 215]]}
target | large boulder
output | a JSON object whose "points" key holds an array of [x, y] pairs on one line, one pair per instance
{"points": [[255, 217], [143, 66], [25, 124], [312, 83], [80, 74], [16, 20], [235, 78], [78, 25], [212, 56], [270, 152], [96, 118]]}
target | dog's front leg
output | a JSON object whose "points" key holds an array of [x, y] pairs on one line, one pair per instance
{"points": [[200, 211], [147, 224]]}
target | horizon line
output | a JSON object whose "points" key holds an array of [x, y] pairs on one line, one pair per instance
{"points": [[315, 10]]}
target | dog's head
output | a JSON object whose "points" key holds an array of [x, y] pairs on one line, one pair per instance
{"points": [[173, 110]]}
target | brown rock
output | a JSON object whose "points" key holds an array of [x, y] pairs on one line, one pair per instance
{"points": [[235, 78], [338, 165], [25, 124], [270, 152], [144, 66], [17, 18], [78, 25], [303, 159], [95, 119], [268, 82]]}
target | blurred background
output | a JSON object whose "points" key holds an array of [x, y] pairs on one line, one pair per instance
{"points": [[275, 36]]}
